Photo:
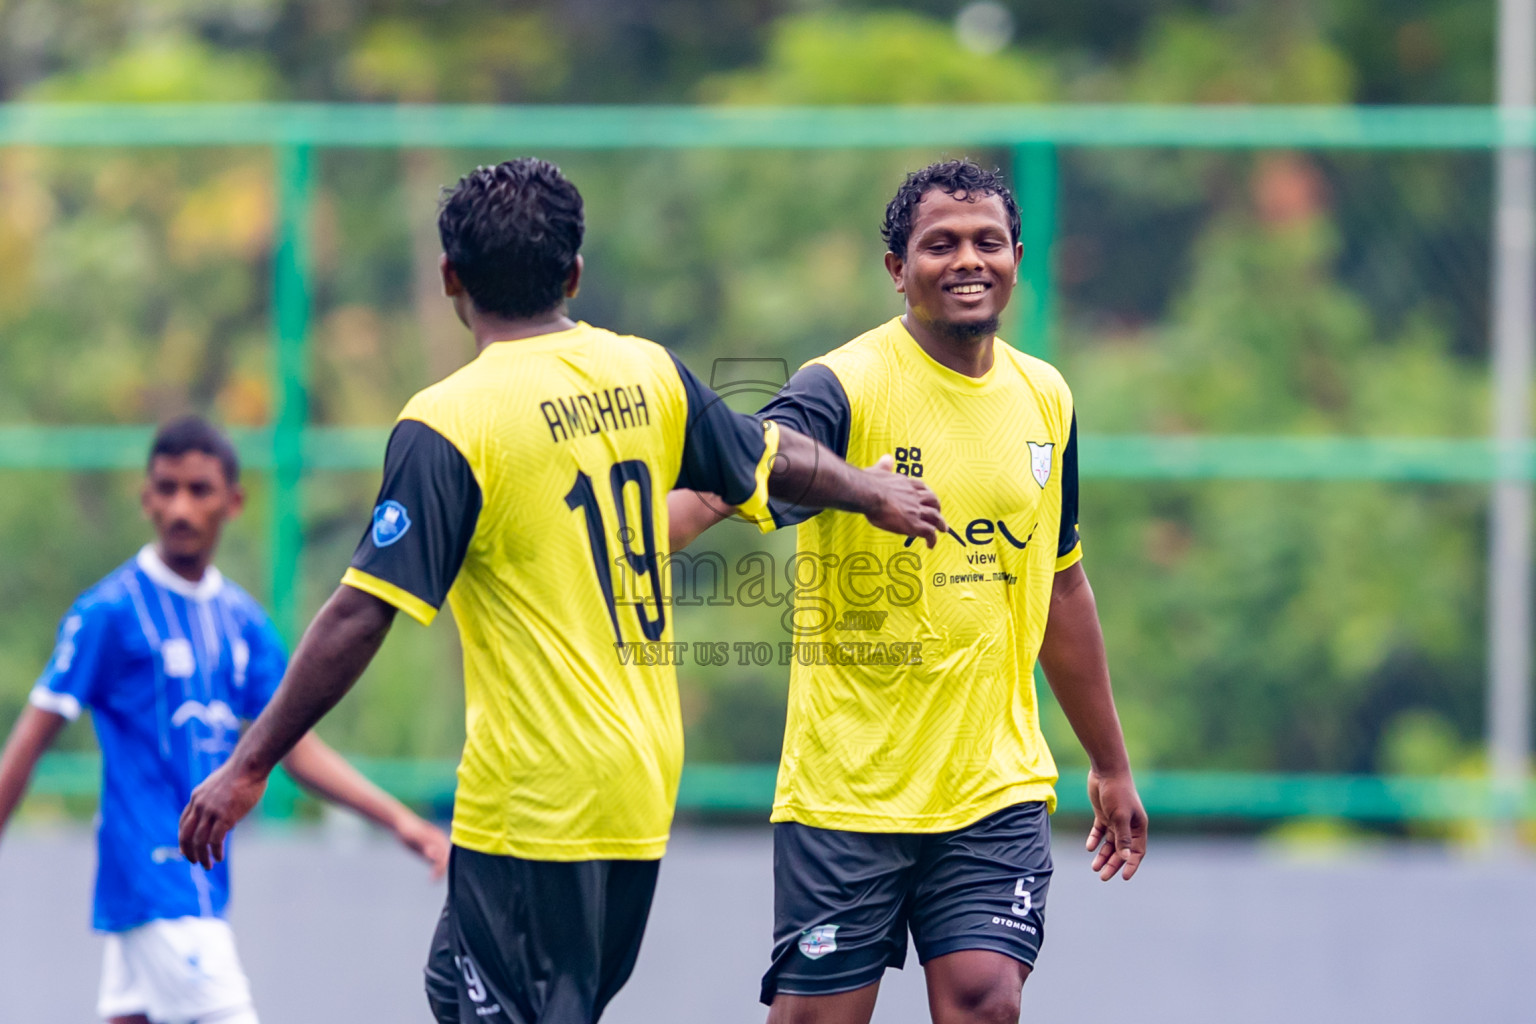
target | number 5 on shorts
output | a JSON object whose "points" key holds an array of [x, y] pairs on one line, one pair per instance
{"points": [[1020, 891]]}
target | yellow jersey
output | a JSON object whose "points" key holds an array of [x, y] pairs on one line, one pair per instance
{"points": [[518, 489], [912, 702]]}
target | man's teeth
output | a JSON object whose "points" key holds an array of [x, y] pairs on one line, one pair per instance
{"points": [[968, 289]]}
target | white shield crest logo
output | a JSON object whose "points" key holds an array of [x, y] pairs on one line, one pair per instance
{"points": [[819, 941], [177, 659], [1040, 461]]}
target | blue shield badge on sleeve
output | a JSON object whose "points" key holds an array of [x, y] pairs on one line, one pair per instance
{"points": [[390, 523]]}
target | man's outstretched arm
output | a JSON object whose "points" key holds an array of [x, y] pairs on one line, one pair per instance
{"points": [[336, 647], [322, 771], [690, 513], [810, 474], [30, 737], [1072, 654]]}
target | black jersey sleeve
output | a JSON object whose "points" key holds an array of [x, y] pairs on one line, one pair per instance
{"points": [[1068, 539], [723, 449], [422, 523], [813, 403]]}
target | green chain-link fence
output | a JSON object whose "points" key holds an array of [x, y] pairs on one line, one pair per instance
{"points": [[1039, 141]]}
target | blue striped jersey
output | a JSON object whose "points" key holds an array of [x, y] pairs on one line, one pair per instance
{"points": [[169, 670]]}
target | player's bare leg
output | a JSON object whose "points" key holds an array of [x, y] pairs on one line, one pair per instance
{"points": [[855, 1007], [975, 986]]}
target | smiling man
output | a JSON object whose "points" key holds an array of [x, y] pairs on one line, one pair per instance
{"points": [[915, 796], [171, 657]]}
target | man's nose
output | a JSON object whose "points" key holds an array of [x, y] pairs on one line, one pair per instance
{"points": [[967, 255], [181, 503]]}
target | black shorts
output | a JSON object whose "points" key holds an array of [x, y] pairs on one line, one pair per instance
{"points": [[843, 901], [533, 941]]}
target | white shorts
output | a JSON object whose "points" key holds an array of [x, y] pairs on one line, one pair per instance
{"points": [[175, 972]]}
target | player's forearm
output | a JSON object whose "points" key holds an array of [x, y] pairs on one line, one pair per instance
{"points": [[1072, 654], [810, 474], [338, 645], [321, 770], [32, 734], [690, 513]]}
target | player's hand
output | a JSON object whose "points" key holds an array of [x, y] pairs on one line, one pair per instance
{"points": [[1118, 839], [905, 506], [216, 806], [427, 841]]}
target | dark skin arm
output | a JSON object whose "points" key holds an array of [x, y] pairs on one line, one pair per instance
{"points": [[816, 478], [31, 736], [809, 473], [337, 646], [1072, 654]]}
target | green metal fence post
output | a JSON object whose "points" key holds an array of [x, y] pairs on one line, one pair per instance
{"points": [[290, 366], [1034, 173]]}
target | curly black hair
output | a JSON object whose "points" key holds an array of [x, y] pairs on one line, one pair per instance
{"points": [[951, 176], [195, 434], [512, 233]]}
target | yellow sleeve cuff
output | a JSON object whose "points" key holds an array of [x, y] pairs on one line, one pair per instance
{"points": [[1071, 558], [755, 508], [390, 594]]}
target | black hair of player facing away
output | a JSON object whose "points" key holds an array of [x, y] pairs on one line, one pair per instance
{"points": [[195, 434], [512, 233], [951, 176]]}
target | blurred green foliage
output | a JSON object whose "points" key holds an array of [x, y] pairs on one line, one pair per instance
{"points": [[1331, 627]]}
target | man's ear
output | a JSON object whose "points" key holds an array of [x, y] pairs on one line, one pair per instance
{"points": [[573, 279], [452, 286], [236, 502], [1018, 260], [894, 265]]}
